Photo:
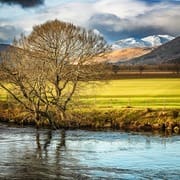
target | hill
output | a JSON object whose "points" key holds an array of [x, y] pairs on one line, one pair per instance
{"points": [[123, 55], [126, 54]]}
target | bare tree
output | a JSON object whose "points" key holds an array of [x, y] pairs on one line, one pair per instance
{"points": [[45, 68]]}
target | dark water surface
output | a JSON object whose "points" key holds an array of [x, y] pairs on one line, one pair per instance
{"points": [[27, 153]]}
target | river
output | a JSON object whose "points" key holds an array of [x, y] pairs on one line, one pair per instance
{"points": [[27, 153]]}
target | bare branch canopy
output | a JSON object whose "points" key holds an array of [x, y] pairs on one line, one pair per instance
{"points": [[44, 68]]}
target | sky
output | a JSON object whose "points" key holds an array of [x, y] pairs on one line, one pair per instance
{"points": [[114, 19]]}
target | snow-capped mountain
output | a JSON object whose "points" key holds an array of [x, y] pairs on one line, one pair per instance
{"points": [[168, 53], [149, 41]]}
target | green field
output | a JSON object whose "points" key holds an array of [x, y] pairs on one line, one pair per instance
{"points": [[158, 93]]}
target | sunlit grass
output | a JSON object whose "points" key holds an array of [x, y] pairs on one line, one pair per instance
{"points": [[133, 92]]}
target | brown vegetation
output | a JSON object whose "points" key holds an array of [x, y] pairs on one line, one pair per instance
{"points": [[131, 119]]}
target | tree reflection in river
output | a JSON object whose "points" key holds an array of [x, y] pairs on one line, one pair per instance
{"points": [[37, 164], [43, 148], [62, 144]]}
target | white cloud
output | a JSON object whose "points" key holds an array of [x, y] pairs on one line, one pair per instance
{"points": [[121, 8], [75, 12], [165, 16]]}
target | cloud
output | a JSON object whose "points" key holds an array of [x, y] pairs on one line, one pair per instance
{"points": [[75, 12], [115, 19], [122, 18], [8, 33], [159, 18], [23, 3], [121, 8], [114, 28]]}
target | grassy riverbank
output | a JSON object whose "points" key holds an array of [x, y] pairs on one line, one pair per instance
{"points": [[134, 119], [130, 104]]}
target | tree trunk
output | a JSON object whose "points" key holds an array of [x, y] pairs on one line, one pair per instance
{"points": [[63, 115]]}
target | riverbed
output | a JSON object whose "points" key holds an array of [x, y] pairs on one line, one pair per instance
{"points": [[28, 153]]}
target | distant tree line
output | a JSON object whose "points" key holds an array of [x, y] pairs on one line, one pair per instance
{"points": [[115, 68]]}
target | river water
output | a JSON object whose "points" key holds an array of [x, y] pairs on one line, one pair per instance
{"points": [[27, 153]]}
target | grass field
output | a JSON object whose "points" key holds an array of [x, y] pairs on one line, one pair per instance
{"points": [[158, 93]]}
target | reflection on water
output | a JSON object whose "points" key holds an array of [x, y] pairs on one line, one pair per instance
{"points": [[27, 153]]}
